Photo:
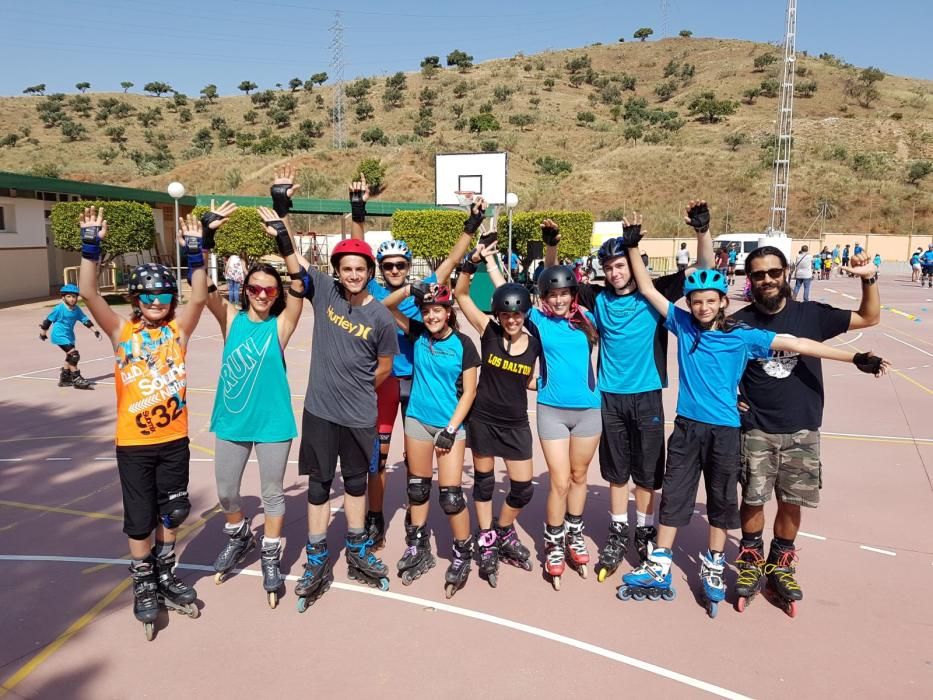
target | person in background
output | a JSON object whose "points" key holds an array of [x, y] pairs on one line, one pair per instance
{"points": [[682, 258], [234, 273]]}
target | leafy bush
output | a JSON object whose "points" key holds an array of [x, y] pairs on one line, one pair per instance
{"points": [[431, 233], [483, 122], [549, 165], [130, 227], [576, 229], [375, 173], [242, 234]]}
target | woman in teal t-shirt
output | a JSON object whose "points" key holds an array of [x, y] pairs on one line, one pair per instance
{"points": [[253, 408]]}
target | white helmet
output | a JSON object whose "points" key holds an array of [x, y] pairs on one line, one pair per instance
{"points": [[391, 248]]}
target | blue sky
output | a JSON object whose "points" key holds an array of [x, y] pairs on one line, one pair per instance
{"points": [[189, 44]]}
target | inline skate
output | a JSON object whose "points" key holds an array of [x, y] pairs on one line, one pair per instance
{"points": [[459, 570], [417, 559], [613, 551], [362, 564], [316, 579], [240, 544]]}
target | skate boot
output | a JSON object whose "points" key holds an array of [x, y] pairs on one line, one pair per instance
{"points": [[487, 547], [417, 559], [240, 544], [363, 565], [459, 570], [651, 579], [511, 549], [376, 529], [714, 588], [780, 569], [577, 554], [146, 595], [554, 555], [316, 579], [751, 566], [174, 593], [64, 377], [645, 536], [613, 551], [271, 575], [79, 382]]}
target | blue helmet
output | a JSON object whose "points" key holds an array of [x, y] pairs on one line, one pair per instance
{"points": [[702, 279], [611, 248], [69, 289], [391, 248]]}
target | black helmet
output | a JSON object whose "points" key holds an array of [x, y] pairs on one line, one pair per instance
{"points": [[556, 277], [511, 297], [611, 248], [152, 278]]}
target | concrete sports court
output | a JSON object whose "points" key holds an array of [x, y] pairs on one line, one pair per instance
{"points": [[863, 628]]}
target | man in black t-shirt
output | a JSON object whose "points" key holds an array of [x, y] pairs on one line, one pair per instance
{"points": [[782, 403]]}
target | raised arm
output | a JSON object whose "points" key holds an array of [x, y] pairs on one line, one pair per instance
{"points": [[472, 224], [865, 361], [477, 318], [491, 258], [550, 234], [211, 220], [697, 216], [294, 298], [359, 195], [93, 230], [869, 310], [631, 236], [392, 301]]}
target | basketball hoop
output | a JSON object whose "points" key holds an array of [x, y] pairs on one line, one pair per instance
{"points": [[465, 198]]}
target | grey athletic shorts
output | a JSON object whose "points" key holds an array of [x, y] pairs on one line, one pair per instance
{"points": [[560, 423], [417, 430]]}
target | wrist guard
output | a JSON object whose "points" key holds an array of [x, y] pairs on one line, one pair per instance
{"points": [[477, 214], [305, 278], [207, 233], [868, 363], [357, 207], [282, 240], [631, 235], [488, 239], [195, 253], [444, 439], [549, 235], [699, 218], [468, 266], [90, 243], [281, 202]]}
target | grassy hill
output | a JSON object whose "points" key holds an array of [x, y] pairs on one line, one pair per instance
{"points": [[850, 159]]}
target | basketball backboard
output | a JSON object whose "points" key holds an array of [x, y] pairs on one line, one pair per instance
{"points": [[481, 174]]}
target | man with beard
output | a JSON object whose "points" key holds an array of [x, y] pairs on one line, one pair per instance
{"points": [[782, 404]]}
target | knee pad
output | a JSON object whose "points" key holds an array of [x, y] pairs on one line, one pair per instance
{"points": [[520, 493], [452, 500], [483, 485], [419, 489], [355, 485], [319, 492], [73, 357], [177, 515]]}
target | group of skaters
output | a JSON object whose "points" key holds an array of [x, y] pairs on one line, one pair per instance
{"points": [[395, 345], [921, 266]]}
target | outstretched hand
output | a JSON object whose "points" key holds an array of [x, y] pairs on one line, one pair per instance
{"points": [[870, 363], [189, 227], [550, 232], [286, 176], [359, 190], [219, 214], [697, 215], [93, 218], [269, 219], [631, 230]]}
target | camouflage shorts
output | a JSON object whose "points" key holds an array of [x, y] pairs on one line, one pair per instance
{"points": [[786, 463]]}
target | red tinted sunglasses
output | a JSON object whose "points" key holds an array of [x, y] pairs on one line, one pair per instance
{"points": [[254, 290]]}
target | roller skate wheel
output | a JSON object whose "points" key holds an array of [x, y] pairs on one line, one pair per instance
{"points": [[791, 608], [493, 581], [623, 593], [407, 578], [273, 599], [712, 608], [583, 570], [639, 594], [526, 565], [302, 604], [449, 590], [668, 594], [654, 594], [149, 628], [219, 578], [603, 574], [192, 611], [555, 581], [383, 584]]}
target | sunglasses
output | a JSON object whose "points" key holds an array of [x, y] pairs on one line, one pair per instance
{"points": [[149, 299], [390, 266], [254, 290], [774, 273]]}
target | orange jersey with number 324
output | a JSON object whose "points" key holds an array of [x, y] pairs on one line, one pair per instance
{"points": [[150, 379]]}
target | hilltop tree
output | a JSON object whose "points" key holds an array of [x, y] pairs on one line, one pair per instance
{"points": [[643, 33], [751, 94], [685, 33], [871, 75], [461, 59], [295, 84], [374, 136], [521, 120], [483, 122], [763, 61], [126, 85], [434, 61], [710, 109], [83, 87], [35, 89], [157, 88], [917, 170], [734, 140], [209, 92], [246, 86]]}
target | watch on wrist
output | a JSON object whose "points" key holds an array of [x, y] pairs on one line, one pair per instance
{"points": [[870, 280]]}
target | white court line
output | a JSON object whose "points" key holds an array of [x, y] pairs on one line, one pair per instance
{"points": [[878, 437], [839, 345], [904, 342], [827, 289], [811, 535], [849, 296], [16, 459], [58, 459], [888, 552], [444, 607]]}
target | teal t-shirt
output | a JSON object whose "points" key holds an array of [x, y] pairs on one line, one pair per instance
{"points": [[567, 378], [253, 402]]}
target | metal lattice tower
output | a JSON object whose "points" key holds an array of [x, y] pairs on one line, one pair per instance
{"points": [[781, 182], [337, 65], [664, 15]]}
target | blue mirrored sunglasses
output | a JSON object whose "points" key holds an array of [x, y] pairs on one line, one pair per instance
{"points": [[164, 299]]}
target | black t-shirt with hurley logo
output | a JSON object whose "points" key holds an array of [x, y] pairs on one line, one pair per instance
{"points": [[785, 391]]}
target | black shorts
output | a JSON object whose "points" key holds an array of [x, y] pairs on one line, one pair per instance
{"points": [[322, 442], [154, 481], [701, 448], [67, 348], [504, 441], [632, 444], [404, 394]]}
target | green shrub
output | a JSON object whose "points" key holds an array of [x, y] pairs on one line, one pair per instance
{"points": [[431, 233], [242, 234], [576, 229], [130, 227], [549, 165]]}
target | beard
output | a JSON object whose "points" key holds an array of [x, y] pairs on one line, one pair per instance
{"points": [[771, 304]]}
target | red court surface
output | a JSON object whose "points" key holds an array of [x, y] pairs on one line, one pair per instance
{"points": [[864, 628]]}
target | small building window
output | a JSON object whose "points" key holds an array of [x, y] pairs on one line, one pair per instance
{"points": [[2, 220]]}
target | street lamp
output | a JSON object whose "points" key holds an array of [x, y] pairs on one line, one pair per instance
{"points": [[176, 191], [511, 201]]}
